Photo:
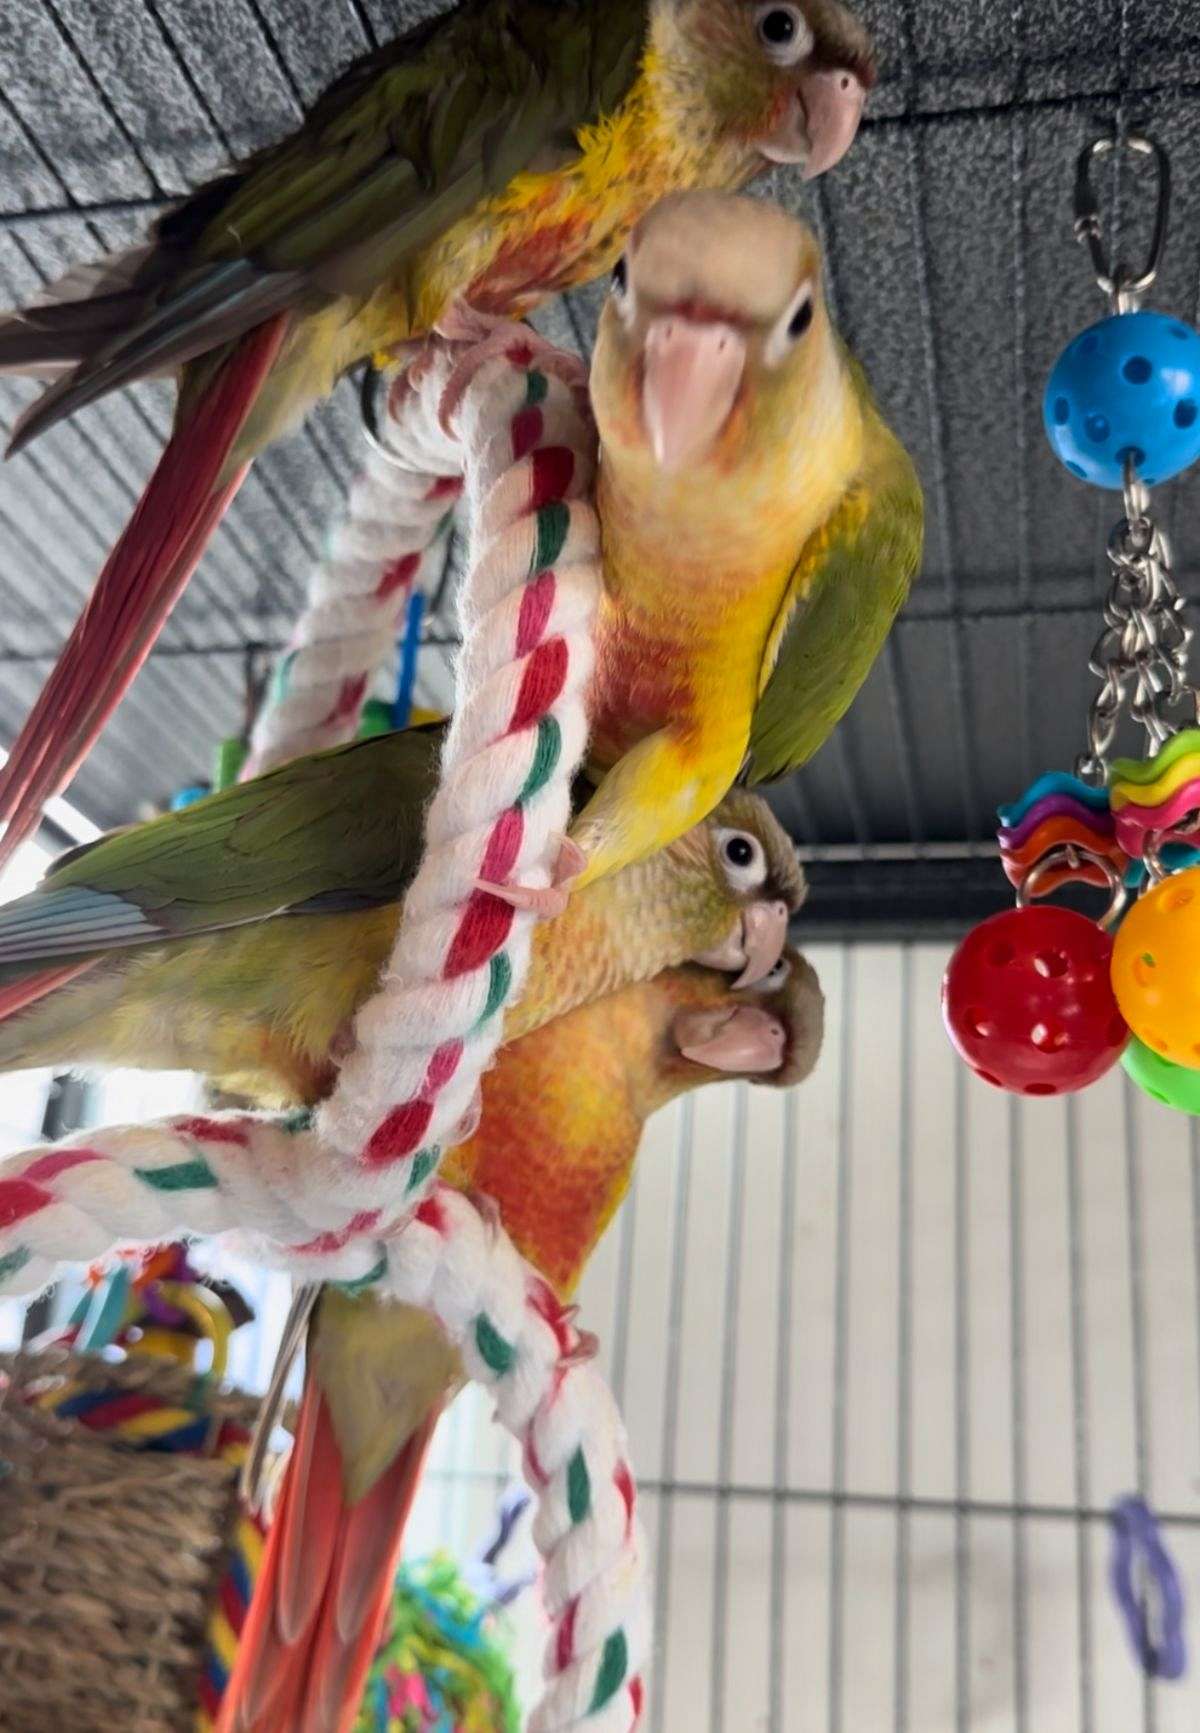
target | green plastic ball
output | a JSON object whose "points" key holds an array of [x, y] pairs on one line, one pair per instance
{"points": [[1175, 1086]]}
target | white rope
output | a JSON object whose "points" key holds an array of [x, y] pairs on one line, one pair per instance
{"points": [[386, 548]]}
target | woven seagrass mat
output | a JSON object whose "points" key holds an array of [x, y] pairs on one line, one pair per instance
{"points": [[110, 1557]]}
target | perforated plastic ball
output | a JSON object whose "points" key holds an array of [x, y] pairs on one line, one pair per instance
{"points": [[1174, 1085], [1129, 384], [1028, 1001], [1156, 969]]}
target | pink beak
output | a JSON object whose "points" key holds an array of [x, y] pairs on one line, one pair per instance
{"points": [[745, 1038], [693, 371], [821, 127], [764, 934], [755, 946]]}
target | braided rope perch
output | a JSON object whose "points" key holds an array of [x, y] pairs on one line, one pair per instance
{"points": [[329, 1184], [461, 956], [379, 554], [347, 1194]]}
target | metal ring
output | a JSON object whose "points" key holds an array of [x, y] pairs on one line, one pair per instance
{"points": [[1070, 855], [1124, 291], [1156, 872], [1154, 840], [1137, 525]]}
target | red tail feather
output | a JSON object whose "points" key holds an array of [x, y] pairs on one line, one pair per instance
{"points": [[21, 994], [326, 1584], [144, 577]]}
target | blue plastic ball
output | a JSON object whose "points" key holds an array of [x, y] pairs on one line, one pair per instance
{"points": [[1129, 384]]}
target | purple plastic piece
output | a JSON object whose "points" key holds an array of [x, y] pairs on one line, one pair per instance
{"points": [[1060, 806], [1156, 1633]]}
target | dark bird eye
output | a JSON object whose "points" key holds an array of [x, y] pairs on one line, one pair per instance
{"points": [[784, 34], [778, 27], [620, 277], [742, 859], [802, 318]]}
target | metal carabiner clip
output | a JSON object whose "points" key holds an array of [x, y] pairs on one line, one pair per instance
{"points": [[1125, 292]]}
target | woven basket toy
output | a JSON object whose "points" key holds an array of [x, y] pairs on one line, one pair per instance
{"points": [[122, 1544]]}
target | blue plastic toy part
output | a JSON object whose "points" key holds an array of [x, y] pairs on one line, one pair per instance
{"points": [[105, 1312], [1049, 787], [410, 647], [189, 796], [1143, 1570], [1129, 385], [1176, 857]]}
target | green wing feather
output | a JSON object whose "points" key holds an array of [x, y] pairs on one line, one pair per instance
{"points": [[336, 831], [415, 134], [849, 584], [401, 148]]}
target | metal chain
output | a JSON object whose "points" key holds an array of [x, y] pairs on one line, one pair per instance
{"points": [[1141, 657]]}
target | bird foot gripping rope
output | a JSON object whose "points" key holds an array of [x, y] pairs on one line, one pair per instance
{"points": [[347, 1194], [1042, 1000]]}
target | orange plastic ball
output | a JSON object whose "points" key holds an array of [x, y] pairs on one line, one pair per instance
{"points": [[1156, 969]]}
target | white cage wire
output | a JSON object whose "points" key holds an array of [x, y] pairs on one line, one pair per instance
{"points": [[889, 1347]]}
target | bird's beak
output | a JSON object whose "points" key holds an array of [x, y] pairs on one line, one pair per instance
{"points": [[820, 126], [741, 1038], [693, 370], [755, 945], [764, 934]]}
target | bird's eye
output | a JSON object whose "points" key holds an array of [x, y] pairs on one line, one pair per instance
{"points": [[620, 277], [791, 327], [743, 859], [775, 980], [784, 34], [802, 318]]}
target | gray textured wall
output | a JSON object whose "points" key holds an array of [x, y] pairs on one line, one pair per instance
{"points": [[954, 275]]}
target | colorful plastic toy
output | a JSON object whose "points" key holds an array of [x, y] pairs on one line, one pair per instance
{"points": [[1028, 1001], [1176, 1086], [1123, 399], [1042, 1001], [1156, 800], [1060, 813], [443, 1667], [1156, 969], [1127, 388]]}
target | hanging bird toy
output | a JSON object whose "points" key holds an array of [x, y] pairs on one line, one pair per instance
{"points": [[443, 1666], [1043, 1000]]}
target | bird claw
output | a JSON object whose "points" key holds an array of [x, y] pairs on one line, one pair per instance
{"points": [[586, 1349], [549, 901], [488, 1211], [546, 904], [462, 323], [468, 1125]]}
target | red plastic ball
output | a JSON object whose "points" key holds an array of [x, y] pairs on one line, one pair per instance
{"points": [[1028, 1001]]}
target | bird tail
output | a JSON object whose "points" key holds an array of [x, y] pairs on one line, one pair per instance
{"points": [[29, 990], [145, 574], [327, 1580], [80, 316]]}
